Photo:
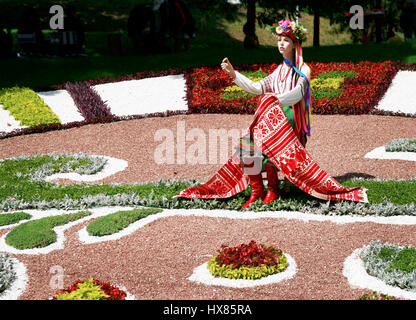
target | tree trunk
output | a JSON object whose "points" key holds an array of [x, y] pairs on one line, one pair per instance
{"points": [[316, 25], [249, 29], [378, 23]]}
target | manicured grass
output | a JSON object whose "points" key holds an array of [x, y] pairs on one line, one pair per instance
{"points": [[118, 221], [39, 233], [11, 218]]}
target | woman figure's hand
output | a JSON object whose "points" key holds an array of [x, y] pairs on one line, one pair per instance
{"points": [[228, 68]]}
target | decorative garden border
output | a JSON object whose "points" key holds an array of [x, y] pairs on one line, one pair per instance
{"points": [[357, 276], [202, 275]]}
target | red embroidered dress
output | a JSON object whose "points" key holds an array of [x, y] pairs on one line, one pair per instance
{"points": [[280, 142]]}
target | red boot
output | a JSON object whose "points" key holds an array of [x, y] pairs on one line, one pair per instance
{"points": [[257, 189], [273, 189]]}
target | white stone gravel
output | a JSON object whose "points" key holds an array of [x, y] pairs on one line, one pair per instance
{"points": [[358, 277], [19, 284], [113, 166], [148, 95], [202, 275], [62, 104], [7, 122], [399, 97], [381, 153]]}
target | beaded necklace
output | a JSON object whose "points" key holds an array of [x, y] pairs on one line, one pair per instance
{"points": [[280, 80]]}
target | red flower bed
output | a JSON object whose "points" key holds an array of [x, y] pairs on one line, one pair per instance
{"points": [[248, 255], [113, 292], [359, 94]]}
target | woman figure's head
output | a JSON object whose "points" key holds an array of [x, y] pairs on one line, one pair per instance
{"points": [[289, 39], [285, 45]]}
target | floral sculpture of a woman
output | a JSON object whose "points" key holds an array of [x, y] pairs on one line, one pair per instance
{"points": [[277, 136]]}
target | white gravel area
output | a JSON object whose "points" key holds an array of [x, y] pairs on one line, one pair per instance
{"points": [[381, 153], [62, 104], [113, 166], [143, 96], [358, 277], [202, 275], [399, 97], [19, 284], [7, 122]]}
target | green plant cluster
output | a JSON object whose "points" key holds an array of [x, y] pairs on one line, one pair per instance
{"points": [[39, 233], [27, 107], [7, 272], [87, 290], [327, 84], [235, 92], [118, 221], [377, 296], [246, 273], [392, 263], [401, 145], [11, 218]]}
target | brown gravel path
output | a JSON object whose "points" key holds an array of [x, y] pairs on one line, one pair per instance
{"points": [[155, 261]]}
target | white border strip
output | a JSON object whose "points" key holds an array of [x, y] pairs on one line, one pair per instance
{"points": [[381, 153], [357, 276], [19, 284], [202, 275]]}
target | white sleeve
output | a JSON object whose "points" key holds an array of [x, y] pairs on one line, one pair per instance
{"points": [[248, 85], [295, 95]]}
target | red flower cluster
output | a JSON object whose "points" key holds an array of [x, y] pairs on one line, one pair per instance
{"points": [[208, 83], [359, 95], [248, 255], [113, 292]]}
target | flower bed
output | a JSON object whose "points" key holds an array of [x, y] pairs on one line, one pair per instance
{"points": [[247, 261], [91, 289], [337, 87], [401, 145], [27, 107], [393, 264]]}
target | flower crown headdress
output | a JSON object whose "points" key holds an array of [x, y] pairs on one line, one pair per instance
{"points": [[289, 28]]}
